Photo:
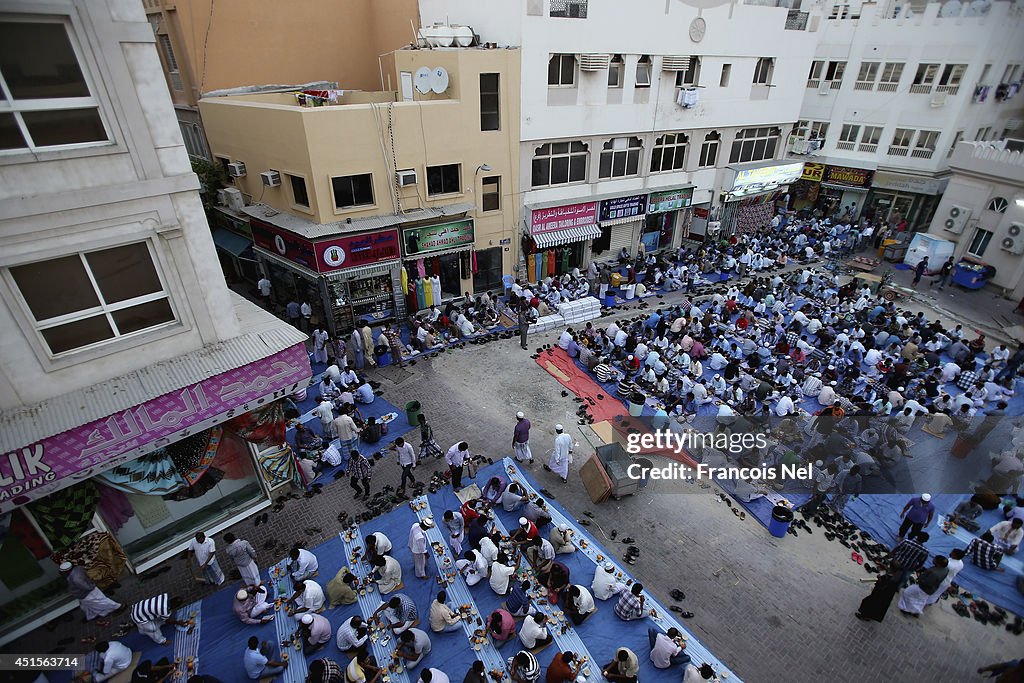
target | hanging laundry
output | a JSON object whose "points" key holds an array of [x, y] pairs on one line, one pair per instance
{"points": [[428, 291], [552, 261], [538, 263], [421, 299], [421, 269], [435, 282], [405, 281], [474, 268]]}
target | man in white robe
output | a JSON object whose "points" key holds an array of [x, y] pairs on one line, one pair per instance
{"points": [[561, 455], [605, 585], [243, 555], [90, 598], [418, 546]]}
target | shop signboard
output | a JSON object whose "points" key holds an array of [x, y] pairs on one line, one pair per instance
{"points": [[901, 182], [846, 176], [432, 238], [813, 172], [352, 251], [623, 207], [765, 179], [285, 244], [562, 217], [671, 200], [40, 468]]}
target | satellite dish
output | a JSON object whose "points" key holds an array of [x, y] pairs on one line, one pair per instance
{"points": [[439, 80], [422, 80]]}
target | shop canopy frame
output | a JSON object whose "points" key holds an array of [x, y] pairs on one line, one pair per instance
{"points": [[556, 238]]}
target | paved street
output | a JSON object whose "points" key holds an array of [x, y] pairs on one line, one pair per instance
{"points": [[771, 609]]}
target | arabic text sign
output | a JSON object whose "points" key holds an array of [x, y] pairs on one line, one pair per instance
{"points": [[623, 207], [356, 250], [813, 172], [77, 454], [671, 200], [562, 217], [430, 238], [848, 176]]}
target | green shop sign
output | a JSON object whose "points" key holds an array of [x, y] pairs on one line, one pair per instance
{"points": [[430, 238], [661, 202]]}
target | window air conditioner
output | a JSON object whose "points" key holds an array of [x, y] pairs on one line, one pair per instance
{"points": [[236, 169], [405, 178], [1014, 243], [232, 198], [825, 87], [271, 178], [675, 63], [938, 100], [594, 62], [957, 219]]}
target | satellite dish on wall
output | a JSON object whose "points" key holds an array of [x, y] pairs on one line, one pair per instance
{"points": [[439, 80], [422, 80]]}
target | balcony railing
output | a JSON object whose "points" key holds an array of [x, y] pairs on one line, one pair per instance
{"points": [[948, 89], [897, 151], [813, 82], [572, 9], [921, 88], [887, 87], [864, 85], [796, 20], [848, 146], [835, 85], [922, 153], [867, 147]]}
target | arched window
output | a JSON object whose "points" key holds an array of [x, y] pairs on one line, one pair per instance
{"points": [[997, 204], [643, 72], [669, 153], [620, 157], [559, 163], [709, 150], [616, 69]]}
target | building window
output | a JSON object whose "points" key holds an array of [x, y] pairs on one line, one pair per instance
{"points": [[754, 144], [834, 74], [952, 75], [983, 133], [997, 204], [956, 140], [352, 190], [490, 117], [763, 71], [709, 149], [690, 77], [562, 71], [491, 195], [616, 68], [568, 9], [924, 78], [445, 179], [620, 158], [87, 298], [816, 130], [979, 243], [869, 139], [45, 100], [1010, 73], [867, 75], [848, 136], [299, 195], [643, 72], [172, 63], [924, 148], [193, 137], [892, 72], [900, 146], [669, 153], [723, 81], [558, 163], [814, 75]]}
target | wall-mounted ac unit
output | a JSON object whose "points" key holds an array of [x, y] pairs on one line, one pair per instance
{"points": [[231, 197], [825, 87], [236, 169], [405, 178], [594, 62], [675, 63], [938, 100], [271, 178], [956, 219], [1014, 241]]}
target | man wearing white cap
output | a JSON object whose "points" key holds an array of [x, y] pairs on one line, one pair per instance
{"points": [[561, 455], [561, 539], [827, 395], [91, 599], [251, 604], [418, 546], [605, 585], [316, 632], [521, 439], [917, 514]]}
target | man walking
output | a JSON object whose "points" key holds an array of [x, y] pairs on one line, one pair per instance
{"points": [[524, 323], [456, 458], [243, 555], [90, 598], [561, 455], [945, 273], [407, 461], [418, 546], [359, 473], [521, 439], [919, 271], [917, 514], [204, 551]]}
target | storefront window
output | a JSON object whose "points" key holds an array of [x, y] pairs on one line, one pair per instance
{"points": [[29, 580], [488, 269], [658, 230]]}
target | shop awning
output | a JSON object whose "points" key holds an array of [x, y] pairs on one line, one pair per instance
{"points": [[230, 242], [623, 221], [363, 271], [285, 263], [566, 236]]}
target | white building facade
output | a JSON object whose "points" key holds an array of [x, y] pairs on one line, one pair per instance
{"points": [[643, 122], [122, 343], [892, 88], [982, 211]]}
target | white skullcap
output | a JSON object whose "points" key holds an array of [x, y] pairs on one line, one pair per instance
{"points": [[609, 567], [520, 415], [523, 521], [563, 527], [65, 566], [429, 523], [242, 594], [307, 619], [901, 389], [559, 428], [833, 383], [926, 497]]}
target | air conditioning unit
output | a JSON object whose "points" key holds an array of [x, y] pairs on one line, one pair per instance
{"points": [[271, 178], [405, 178], [957, 219], [594, 62], [825, 87], [675, 63], [1014, 241], [231, 197], [938, 100], [236, 169]]}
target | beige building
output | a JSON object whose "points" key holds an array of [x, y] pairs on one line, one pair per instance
{"points": [[344, 189], [206, 45]]}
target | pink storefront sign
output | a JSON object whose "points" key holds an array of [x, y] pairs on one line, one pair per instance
{"points": [[562, 217], [61, 460]]}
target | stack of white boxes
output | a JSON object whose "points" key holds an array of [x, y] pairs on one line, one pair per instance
{"points": [[580, 310], [546, 323]]}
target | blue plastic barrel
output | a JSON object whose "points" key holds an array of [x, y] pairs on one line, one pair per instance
{"points": [[609, 298], [782, 517]]}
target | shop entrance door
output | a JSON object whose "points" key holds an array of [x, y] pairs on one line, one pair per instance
{"points": [[488, 269], [451, 276]]}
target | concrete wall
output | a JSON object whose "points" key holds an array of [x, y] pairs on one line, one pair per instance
{"points": [[271, 132], [996, 38], [137, 187]]}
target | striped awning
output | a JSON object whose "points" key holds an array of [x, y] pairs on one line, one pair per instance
{"points": [[623, 221], [363, 271], [567, 235]]}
